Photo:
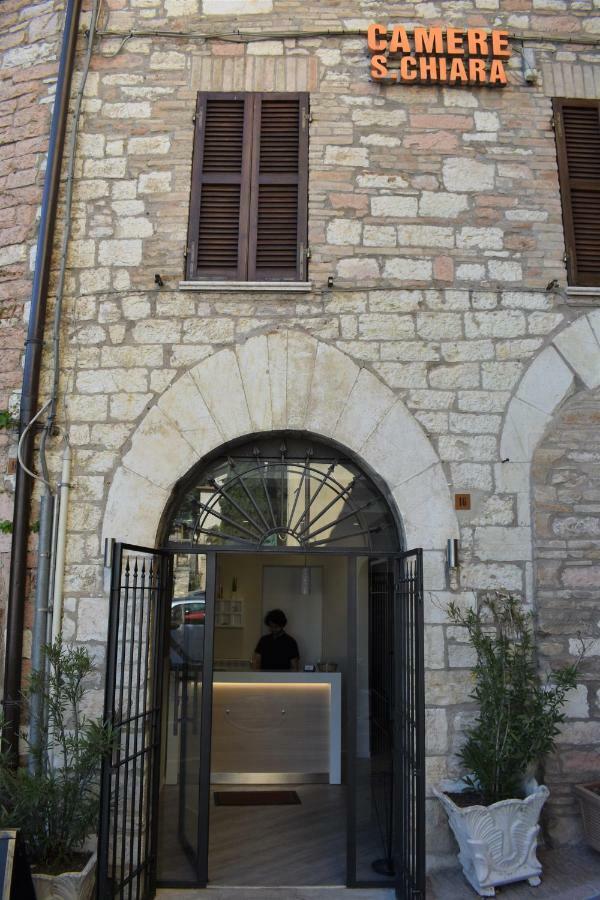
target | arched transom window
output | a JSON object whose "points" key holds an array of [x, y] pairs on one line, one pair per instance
{"points": [[286, 492]]}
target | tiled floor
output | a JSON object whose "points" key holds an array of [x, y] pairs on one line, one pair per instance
{"points": [[572, 874]]}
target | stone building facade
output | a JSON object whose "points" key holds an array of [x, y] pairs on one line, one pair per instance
{"points": [[437, 337]]}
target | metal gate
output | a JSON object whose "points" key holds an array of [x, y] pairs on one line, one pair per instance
{"points": [[409, 762], [140, 595]]}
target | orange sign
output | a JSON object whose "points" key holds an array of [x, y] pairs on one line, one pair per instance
{"points": [[427, 55]]}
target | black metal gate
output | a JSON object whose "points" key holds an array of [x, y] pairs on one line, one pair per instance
{"points": [[409, 762], [140, 596]]}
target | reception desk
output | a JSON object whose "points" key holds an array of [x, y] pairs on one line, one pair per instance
{"points": [[276, 727]]}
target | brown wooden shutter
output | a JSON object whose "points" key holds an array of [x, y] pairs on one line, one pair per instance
{"points": [[220, 195], [278, 209], [577, 124]]}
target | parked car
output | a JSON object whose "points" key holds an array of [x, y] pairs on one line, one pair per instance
{"points": [[186, 639]]}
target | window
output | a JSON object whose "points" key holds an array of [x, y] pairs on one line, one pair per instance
{"points": [[577, 124], [248, 209]]}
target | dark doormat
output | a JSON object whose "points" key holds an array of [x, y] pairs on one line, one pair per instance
{"points": [[256, 798]]}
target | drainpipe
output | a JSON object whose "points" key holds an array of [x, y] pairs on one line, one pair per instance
{"points": [[40, 624], [31, 378], [61, 543]]}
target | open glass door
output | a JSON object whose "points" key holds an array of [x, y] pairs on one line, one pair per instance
{"points": [[187, 707]]}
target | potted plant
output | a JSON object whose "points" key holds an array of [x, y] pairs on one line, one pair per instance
{"points": [[589, 803], [494, 810], [55, 802]]}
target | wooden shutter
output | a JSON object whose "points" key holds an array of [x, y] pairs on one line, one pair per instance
{"points": [[278, 209], [577, 124], [220, 195]]}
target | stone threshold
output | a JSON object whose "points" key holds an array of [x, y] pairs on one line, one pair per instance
{"points": [[277, 893]]}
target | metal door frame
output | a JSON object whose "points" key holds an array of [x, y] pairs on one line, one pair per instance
{"points": [[409, 747]]}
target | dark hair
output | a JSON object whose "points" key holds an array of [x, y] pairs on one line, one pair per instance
{"points": [[276, 617]]}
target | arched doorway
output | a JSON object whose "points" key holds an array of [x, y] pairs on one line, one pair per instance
{"points": [[282, 519]]}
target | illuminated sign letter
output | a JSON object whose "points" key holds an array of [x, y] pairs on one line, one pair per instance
{"points": [[404, 72], [373, 34], [379, 67], [429, 40], [497, 73], [399, 40], [500, 45]]}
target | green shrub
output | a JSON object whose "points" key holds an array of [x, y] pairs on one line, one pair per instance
{"points": [[56, 806], [519, 710]]}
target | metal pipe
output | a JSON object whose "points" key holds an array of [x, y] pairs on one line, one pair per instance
{"points": [[61, 543], [40, 619], [31, 378]]}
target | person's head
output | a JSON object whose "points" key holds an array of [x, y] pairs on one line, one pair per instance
{"points": [[275, 620]]}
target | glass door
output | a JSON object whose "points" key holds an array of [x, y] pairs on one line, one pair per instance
{"points": [[187, 710]]}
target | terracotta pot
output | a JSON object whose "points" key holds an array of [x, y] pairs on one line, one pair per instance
{"points": [[67, 885], [497, 843], [589, 803]]}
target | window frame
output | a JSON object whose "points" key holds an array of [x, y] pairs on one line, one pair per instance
{"points": [[566, 179], [249, 179]]}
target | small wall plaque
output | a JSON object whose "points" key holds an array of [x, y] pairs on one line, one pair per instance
{"points": [[462, 501]]}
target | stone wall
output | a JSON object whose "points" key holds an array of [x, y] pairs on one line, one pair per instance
{"points": [[29, 35], [566, 490], [436, 211]]}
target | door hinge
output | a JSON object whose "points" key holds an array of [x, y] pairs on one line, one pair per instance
{"points": [[308, 253], [306, 118]]}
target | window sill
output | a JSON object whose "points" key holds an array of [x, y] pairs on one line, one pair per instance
{"points": [[295, 287], [583, 296]]}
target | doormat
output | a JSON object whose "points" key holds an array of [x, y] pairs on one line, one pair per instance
{"points": [[256, 798]]}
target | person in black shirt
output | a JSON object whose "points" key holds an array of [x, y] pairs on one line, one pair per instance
{"points": [[276, 651]]}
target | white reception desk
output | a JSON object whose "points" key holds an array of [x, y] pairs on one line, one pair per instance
{"points": [[274, 727]]}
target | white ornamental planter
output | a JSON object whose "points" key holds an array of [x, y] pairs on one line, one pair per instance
{"points": [[497, 843], [67, 885]]}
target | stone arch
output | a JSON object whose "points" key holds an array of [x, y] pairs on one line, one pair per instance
{"points": [[284, 380], [565, 479], [574, 352]]}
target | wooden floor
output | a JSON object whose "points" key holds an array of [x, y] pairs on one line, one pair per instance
{"points": [[568, 874]]}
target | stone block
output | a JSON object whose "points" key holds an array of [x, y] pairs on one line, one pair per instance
{"points": [[546, 382], [133, 111], [436, 730], [219, 381], [379, 236], [579, 345], [120, 253], [157, 144], [359, 268], [394, 205], [154, 183], [334, 376], [344, 231], [346, 156], [503, 544], [470, 237], [442, 205], [368, 392], [461, 174], [425, 236], [504, 270], [408, 269], [467, 447]]}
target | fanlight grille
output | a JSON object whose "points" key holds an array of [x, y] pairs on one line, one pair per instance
{"points": [[256, 499]]}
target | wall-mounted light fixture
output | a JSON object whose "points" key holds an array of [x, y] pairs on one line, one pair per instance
{"points": [[452, 553], [109, 546]]}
